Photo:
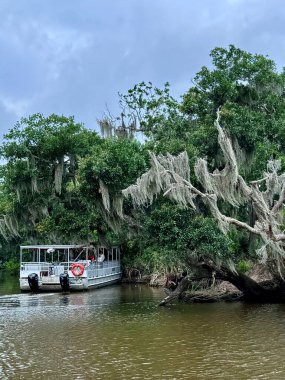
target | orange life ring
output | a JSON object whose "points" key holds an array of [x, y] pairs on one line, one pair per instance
{"points": [[77, 269]]}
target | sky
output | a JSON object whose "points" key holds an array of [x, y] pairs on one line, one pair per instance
{"points": [[72, 57]]}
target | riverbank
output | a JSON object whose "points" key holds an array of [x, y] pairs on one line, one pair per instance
{"points": [[202, 291]]}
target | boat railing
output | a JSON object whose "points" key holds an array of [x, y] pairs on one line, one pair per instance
{"points": [[34, 266], [94, 269], [45, 269], [103, 269]]}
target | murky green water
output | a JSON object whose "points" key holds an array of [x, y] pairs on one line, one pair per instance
{"points": [[119, 332]]}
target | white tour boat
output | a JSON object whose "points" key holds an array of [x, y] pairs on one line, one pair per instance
{"points": [[68, 267]]}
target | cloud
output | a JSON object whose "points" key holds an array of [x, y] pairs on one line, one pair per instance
{"points": [[72, 57], [61, 45], [45, 45], [37, 56], [17, 107]]}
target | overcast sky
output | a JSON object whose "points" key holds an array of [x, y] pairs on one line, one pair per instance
{"points": [[72, 57]]}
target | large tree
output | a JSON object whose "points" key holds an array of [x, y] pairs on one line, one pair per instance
{"points": [[39, 198], [171, 175], [250, 91]]}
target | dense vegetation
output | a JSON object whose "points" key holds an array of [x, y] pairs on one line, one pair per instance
{"points": [[63, 183]]}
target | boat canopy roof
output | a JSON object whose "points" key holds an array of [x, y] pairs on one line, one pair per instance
{"points": [[55, 246]]}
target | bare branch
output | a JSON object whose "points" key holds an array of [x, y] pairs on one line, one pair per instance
{"points": [[278, 205], [240, 224], [258, 181]]}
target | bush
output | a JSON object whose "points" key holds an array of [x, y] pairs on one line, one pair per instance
{"points": [[12, 266], [244, 266]]}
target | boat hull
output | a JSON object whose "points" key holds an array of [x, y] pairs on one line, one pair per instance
{"points": [[76, 284]]}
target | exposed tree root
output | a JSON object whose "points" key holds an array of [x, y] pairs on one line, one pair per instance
{"points": [[247, 289], [210, 295], [177, 293]]}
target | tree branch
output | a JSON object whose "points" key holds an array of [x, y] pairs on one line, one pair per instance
{"points": [[278, 205], [240, 224]]}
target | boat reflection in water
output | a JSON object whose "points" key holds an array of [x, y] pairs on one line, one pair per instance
{"points": [[68, 267]]}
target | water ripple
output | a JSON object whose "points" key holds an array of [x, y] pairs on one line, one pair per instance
{"points": [[120, 333]]}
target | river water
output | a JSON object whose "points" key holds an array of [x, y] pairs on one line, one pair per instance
{"points": [[119, 332]]}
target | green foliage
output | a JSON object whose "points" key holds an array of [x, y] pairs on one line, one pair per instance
{"points": [[6, 199], [36, 145], [206, 240], [249, 91], [150, 105], [45, 226], [46, 138], [94, 236], [34, 150], [12, 266], [159, 117], [116, 162], [172, 235], [244, 266]]}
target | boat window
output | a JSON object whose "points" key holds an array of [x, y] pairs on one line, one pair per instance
{"points": [[72, 255], [53, 255], [110, 255], [91, 254], [61, 256], [115, 253], [42, 256], [29, 255], [78, 254], [103, 250]]}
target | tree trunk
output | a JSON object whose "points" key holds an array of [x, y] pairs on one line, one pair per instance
{"points": [[263, 292], [260, 292], [176, 294], [272, 291]]}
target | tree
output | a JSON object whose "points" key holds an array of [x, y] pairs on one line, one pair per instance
{"points": [[108, 168], [39, 195], [168, 232], [250, 92], [171, 175], [248, 89]]}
